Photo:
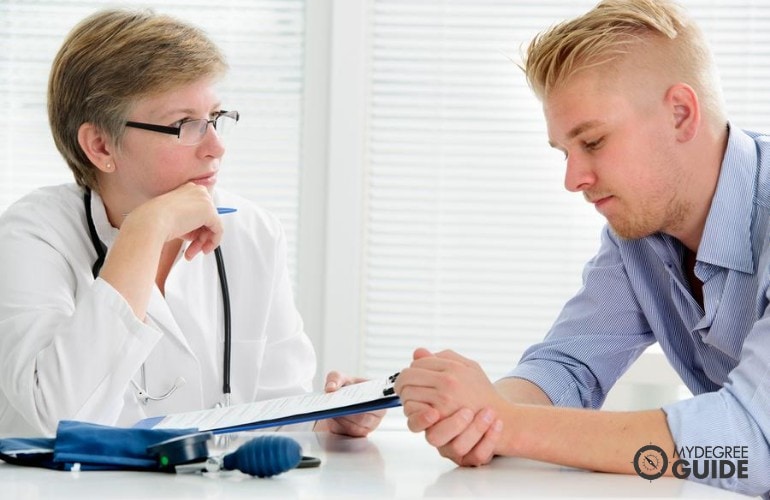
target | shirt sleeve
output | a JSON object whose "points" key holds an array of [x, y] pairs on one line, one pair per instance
{"points": [[68, 344], [736, 415], [597, 335]]}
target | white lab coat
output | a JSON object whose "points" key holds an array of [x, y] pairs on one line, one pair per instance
{"points": [[70, 345]]}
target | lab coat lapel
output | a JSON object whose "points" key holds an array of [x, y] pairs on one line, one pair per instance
{"points": [[160, 314]]}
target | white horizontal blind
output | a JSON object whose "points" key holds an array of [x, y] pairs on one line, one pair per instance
{"points": [[263, 42], [739, 34], [472, 243]]}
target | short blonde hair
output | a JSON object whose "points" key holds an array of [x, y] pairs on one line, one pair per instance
{"points": [[109, 61], [609, 32]]}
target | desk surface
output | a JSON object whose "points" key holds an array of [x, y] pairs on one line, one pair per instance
{"points": [[387, 464]]}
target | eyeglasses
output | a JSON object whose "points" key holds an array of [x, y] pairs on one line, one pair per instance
{"points": [[192, 132]]}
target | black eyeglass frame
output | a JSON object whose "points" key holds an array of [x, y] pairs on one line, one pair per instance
{"points": [[177, 131]]}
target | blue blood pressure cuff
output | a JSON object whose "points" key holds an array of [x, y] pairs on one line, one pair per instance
{"points": [[89, 447]]}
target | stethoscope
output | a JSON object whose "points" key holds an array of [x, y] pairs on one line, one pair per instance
{"points": [[101, 254]]}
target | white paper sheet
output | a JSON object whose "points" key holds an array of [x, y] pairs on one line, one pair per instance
{"points": [[287, 410]]}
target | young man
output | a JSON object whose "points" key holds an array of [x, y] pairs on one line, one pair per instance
{"points": [[630, 97]]}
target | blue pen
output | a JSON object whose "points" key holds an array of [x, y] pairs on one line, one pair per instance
{"points": [[226, 210]]}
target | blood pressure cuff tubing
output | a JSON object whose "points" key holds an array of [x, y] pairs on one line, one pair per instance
{"points": [[92, 446]]}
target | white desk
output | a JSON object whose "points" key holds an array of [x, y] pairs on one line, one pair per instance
{"points": [[387, 464]]}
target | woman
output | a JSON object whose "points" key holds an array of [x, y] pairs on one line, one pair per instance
{"points": [[112, 300]]}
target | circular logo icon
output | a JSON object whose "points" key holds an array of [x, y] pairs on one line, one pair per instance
{"points": [[650, 462]]}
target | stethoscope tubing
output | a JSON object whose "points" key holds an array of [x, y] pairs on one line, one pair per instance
{"points": [[228, 332]]}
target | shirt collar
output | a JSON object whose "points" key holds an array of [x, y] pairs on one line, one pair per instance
{"points": [[107, 233], [726, 240]]}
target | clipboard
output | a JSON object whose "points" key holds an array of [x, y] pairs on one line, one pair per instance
{"points": [[350, 399]]}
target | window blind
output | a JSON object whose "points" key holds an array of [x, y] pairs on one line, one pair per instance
{"points": [[263, 42], [471, 241]]}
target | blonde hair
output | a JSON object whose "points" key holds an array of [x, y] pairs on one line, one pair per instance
{"points": [[615, 29], [109, 61]]}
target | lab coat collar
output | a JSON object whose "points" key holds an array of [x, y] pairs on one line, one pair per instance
{"points": [[107, 234]]}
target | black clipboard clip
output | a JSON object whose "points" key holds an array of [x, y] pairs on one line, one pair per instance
{"points": [[390, 390]]}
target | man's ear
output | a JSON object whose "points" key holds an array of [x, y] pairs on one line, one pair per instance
{"points": [[97, 147], [685, 111]]}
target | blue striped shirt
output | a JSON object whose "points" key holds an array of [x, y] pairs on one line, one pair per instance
{"points": [[635, 293]]}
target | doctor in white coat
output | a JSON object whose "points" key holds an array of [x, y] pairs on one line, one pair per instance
{"points": [[111, 299]]}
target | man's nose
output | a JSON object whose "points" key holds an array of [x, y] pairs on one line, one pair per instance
{"points": [[579, 175]]}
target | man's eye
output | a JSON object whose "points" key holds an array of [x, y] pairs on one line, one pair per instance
{"points": [[593, 145]]}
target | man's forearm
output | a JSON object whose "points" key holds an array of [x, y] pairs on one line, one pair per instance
{"points": [[588, 439]]}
